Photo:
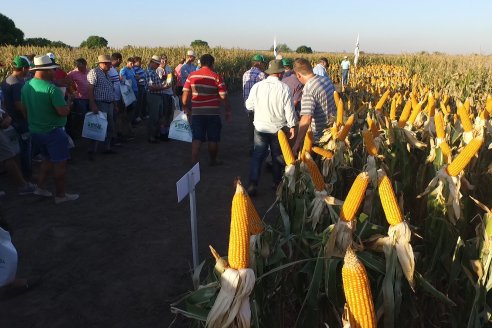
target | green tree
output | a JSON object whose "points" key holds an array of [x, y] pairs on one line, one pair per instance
{"points": [[59, 44], [94, 41], [282, 47], [199, 43], [37, 42], [9, 34], [304, 50]]}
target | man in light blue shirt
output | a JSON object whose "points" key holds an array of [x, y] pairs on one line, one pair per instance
{"points": [[188, 66], [320, 69]]}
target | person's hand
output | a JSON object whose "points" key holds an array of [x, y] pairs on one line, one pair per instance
{"points": [[7, 120], [292, 132], [228, 116], [94, 108]]}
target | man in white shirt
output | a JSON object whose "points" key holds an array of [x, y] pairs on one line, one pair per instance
{"points": [[345, 70], [271, 101]]}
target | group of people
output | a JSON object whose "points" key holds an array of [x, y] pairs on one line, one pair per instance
{"points": [[285, 95], [44, 107]]}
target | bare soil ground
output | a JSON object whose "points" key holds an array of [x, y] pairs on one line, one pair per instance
{"points": [[119, 255]]}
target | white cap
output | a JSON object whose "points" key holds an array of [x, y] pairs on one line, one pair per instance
{"points": [[51, 55], [190, 53]]}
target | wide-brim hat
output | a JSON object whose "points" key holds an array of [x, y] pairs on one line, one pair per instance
{"points": [[275, 66], [103, 59], [155, 59], [43, 62]]}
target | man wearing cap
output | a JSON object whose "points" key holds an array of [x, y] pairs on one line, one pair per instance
{"points": [[101, 98], [345, 70], [60, 77], [251, 77], [11, 89], [206, 89], [47, 114], [293, 83], [271, 101], [188, 66], [155, 91], [320, 68], [317, 102]]}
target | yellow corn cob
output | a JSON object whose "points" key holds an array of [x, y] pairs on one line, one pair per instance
{"points": [[242, 198], [285, 147], [444, 108], [369, 142], [318, 181], [464, 157], [405, 113], [334, 131], [445, 100], [415, 112], [393, 108], [488, 104], [357, 292], [339, 112], [464, 118], [372, 126], [446, 151], [381, 101], [484, 115], [346, 128], [391, 208], [431, 104], [355, 196], [466, 104], [439, 123], [336, 97], [308, 143], [322, 152], [239, 232]]}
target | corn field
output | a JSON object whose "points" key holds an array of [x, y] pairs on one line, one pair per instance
{"points": [[386, 223]]}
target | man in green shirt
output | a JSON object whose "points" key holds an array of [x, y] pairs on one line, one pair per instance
{"points": [[47, 114]]}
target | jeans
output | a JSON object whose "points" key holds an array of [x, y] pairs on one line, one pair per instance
{"points": [[107, 108], [75, 120], [262, 141], [154, 109], [345, 75], [141, 106]]}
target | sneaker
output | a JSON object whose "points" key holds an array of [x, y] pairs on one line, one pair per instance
{"points": [[42, 192], [28, 189], [66, 198]]}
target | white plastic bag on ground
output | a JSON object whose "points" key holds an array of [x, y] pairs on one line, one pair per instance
{"points": [[8, 259], [180, 129]]}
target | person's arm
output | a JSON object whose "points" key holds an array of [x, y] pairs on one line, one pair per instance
{"points": [[227, 104], [58, 102], [289, 114], [63, 110], [92, 101], [304, 125], [17, 100]]}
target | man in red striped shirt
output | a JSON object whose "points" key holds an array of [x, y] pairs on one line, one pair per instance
{"points": [[207, 91]]}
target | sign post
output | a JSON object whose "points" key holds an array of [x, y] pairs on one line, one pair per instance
{"points": [[186, 185]]}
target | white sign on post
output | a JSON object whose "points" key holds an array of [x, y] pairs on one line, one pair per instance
{"points": [[186, 185]]}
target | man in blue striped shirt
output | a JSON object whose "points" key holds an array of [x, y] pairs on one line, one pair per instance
{"points": [[317, 102]]}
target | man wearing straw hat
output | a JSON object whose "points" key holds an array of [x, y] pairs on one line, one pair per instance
{"points": [[101, 98], [272, 104], [47, 114]]}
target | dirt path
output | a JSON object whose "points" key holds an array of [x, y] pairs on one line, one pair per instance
{"points": [[121, 253]]}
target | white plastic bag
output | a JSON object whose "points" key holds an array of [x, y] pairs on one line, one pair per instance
{"points": [[180, 128], [95, 126], [127, 93], [8, 259]]}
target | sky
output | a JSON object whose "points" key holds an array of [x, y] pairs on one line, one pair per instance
{"points": [[384, 26]]}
